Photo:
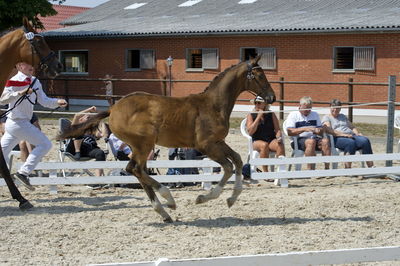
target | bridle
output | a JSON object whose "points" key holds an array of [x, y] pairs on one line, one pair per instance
{"points": [[44, 59], [250, 76]]}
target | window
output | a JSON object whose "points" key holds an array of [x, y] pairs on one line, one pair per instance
{"points": [[199, 59], [268, 56], [74, 62], [137, 59], [354, 58]]}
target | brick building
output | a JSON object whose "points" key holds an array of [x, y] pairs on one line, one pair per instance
{"points": [[301, 40]]}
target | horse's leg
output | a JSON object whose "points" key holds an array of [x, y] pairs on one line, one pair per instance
{"points": [[237, 161], [139, 171], [24, 204], [220, 152]]}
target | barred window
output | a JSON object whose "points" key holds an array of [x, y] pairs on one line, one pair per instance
{"points": [[202, 58], [354, 58]]}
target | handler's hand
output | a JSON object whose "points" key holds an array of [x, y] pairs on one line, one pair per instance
{"points": [[26, 91], [62, 103]]}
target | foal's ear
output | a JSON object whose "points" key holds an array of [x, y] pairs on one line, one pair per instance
{"points": [[28, 25], [254, 61]]}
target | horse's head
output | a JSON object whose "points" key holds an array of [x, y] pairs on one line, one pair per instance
{"points": [[36, 52], [257, 81]]}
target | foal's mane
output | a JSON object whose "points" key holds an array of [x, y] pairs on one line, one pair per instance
{"points": [[217, 78]]}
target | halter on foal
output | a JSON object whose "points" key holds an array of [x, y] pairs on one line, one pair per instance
{"points": [[23, 45], [200, 121]]}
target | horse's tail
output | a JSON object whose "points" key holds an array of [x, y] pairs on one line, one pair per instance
{"points": [[80, 129]]}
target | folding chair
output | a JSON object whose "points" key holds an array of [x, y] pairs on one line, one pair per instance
{"points": [[64, 124], [296, 152], [397, 125]]}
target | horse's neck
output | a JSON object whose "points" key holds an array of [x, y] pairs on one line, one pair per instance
{"points": [[223, 96], [8, 57]]}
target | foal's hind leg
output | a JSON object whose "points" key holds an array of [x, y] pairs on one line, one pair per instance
{"points": [[220, 152]]}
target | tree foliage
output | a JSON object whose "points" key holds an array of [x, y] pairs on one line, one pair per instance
{"points": [[12, 12]]}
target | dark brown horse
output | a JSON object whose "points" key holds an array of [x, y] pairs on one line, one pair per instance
{"points": [[23, 45], [200, 121]]}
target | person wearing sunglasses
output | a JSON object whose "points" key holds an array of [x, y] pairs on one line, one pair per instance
{"points": [[263, 127]]}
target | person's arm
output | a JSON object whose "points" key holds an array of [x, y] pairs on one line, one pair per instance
{"points": [[47, 101], [82, 114], [10, 95], [251, 124], [277, 128]]}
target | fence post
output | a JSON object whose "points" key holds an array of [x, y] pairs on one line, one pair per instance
{"points": [[350, 99], [390, 121], [282, 93]]}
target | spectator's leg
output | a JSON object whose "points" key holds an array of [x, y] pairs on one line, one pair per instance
{"points": [[99, 155], [24, 150], [325, 148], [263, 148], [277, 147], [348, 146], [309, 150], [364, 144]]}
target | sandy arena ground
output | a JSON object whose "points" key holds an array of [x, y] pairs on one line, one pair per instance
{"points": [[79, 226]]}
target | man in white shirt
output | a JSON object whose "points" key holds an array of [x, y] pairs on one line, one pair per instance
{"points": [[306, 124], [18, 126]]}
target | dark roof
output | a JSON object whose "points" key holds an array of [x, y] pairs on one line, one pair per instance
{"points": [[63, 12], [207, 17]]}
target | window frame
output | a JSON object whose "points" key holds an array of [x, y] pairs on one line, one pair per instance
{"points": [[191, 69], [141, 67], [272, 67], [354, 58], [61, 57]]}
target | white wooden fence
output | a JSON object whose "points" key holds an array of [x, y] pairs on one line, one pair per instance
{"points": [[281, 174], [340, 256]]}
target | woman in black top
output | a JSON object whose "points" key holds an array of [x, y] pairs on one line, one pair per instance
{"points": [[265, 131]]}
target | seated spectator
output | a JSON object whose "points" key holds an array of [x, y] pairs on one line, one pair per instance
{"points": [[124, 152], [86, 145], [347, 137], [306, 124], [265, 131]]}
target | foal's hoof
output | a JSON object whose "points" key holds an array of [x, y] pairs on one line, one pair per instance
{"points": [[172, 206], [26, 205], [200, 199], [168, 220], [231, 201]]}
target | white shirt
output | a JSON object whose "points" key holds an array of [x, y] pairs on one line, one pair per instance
{"points": [[117, 143], [25, 109], [297, 120]]}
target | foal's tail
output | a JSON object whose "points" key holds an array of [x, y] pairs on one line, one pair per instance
{"points": [[80, 129]]}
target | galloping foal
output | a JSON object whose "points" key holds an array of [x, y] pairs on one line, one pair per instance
{"points": [[200, 121], [23, 45]]}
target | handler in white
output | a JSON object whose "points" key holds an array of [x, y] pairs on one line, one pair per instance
{"points": [[18, 126]]}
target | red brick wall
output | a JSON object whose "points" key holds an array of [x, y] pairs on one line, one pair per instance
{"points": [[299, 58]]}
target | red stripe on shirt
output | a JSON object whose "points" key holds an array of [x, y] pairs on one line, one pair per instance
{"points": [[15, 83]]}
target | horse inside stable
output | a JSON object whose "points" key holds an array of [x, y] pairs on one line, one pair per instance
{"points": [[199, 121], [24, 45]]}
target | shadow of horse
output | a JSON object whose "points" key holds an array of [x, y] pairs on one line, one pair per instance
{"points": [[226, 222]]}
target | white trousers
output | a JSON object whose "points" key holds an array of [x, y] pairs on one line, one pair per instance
{"points": [[17, 130]]}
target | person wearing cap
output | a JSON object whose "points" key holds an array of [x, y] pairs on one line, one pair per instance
{"points": [[264, 129], [306, 124], [18, 126], [346, 137]]}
